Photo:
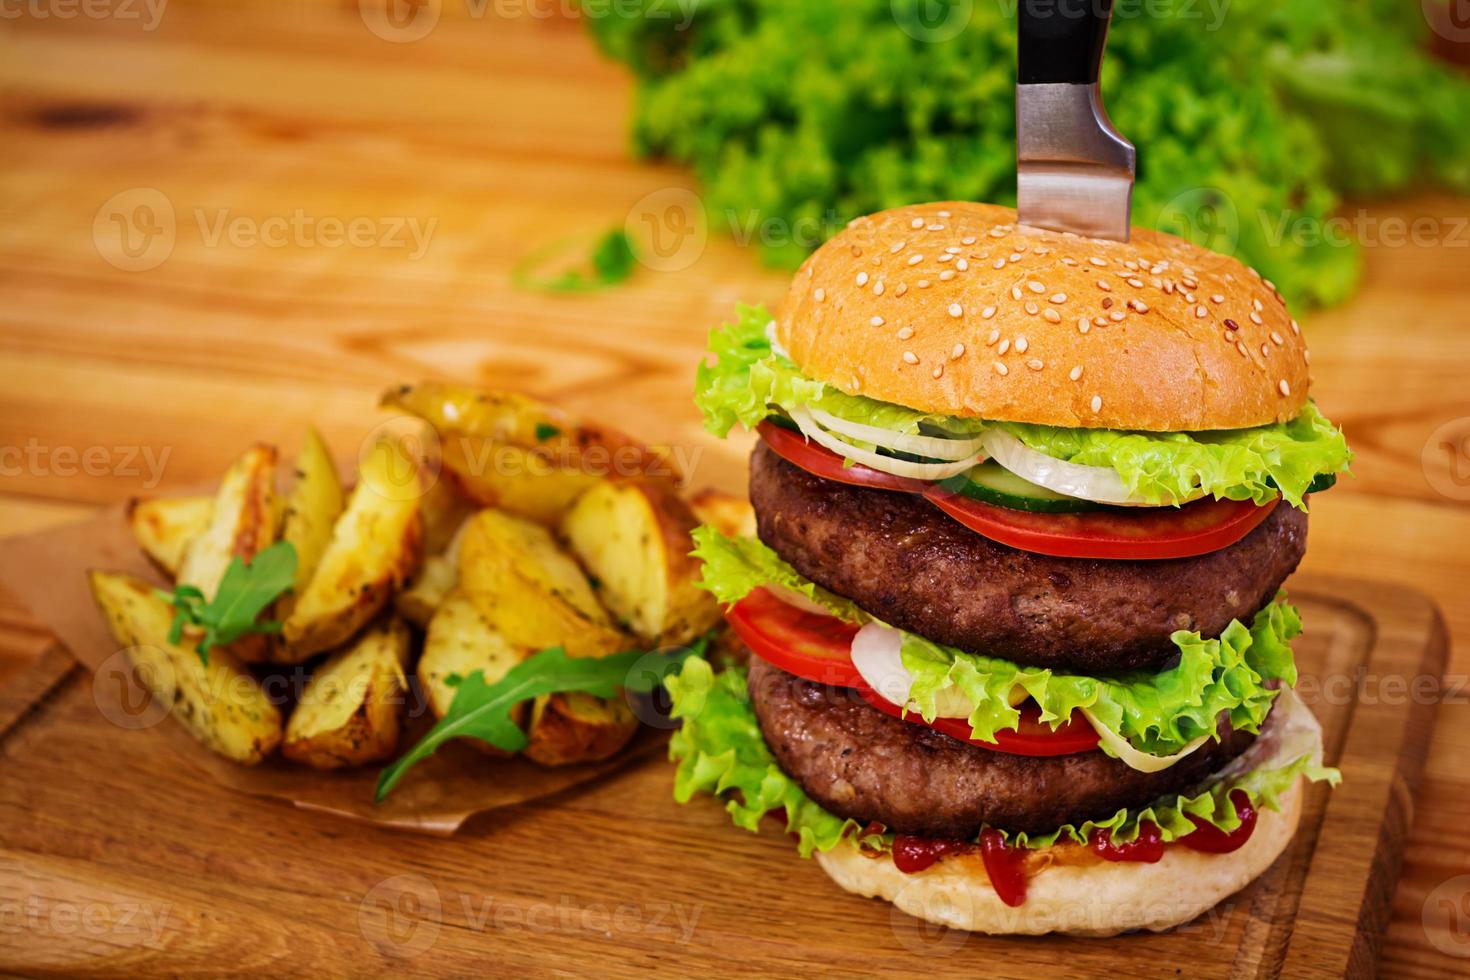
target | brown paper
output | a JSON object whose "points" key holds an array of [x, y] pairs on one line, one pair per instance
{"points": [[47, 572]]}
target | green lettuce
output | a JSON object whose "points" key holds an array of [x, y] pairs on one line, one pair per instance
{"points": [[1158, 713], [748, 382], [719, 750]]}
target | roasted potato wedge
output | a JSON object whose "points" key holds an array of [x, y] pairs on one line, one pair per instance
{"points": [[460, 641], [530, 590], [513, 479], [725, 512], [438, 575], [242, 521], [573, 727], [164, 527], [313, 505], [351, 710], [445, 508], [375, 548], [219, 703], [633, 538]]}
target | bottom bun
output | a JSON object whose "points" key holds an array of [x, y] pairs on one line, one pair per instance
{"points": [[1087, 898]]}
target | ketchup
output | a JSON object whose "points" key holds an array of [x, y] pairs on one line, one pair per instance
{"points": [[914, 854], [1212, 840], [1146, 848], [1005, 865]]}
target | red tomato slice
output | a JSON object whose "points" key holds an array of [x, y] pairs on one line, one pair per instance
{"points": [[1135, 533], [803, 643], [820, 461], [1030, 737]]}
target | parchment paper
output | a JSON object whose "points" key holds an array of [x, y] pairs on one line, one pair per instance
{"points": [[47, 572]]}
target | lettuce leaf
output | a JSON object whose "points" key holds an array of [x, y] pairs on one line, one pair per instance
{"points": [[719, 750], [1158, 712], [748, 381]]}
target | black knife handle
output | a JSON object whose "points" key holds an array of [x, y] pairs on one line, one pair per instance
{"points": [[1060, 40]]}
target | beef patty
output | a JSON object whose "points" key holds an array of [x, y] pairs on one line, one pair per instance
{"points": [[860, 763], [906, 563]]}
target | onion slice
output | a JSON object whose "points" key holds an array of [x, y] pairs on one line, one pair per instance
{"points": [[886, 464], [1096, 483], [877, 655], [1117, 746], [932, 446]]}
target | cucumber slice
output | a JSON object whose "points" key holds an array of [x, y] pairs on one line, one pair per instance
{"points": [[992, 483]]}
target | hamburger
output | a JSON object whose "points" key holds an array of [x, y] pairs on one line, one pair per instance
{"points": [[1024, 503]]}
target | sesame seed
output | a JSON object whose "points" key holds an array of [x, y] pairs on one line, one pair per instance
{"points": [[938, 370], [1284, 387], [1001, 369], [1131, 265], [917, 223], [1035, 286], [915, 259], [946, 257], [1296, 327], [1035, 364], [1265, 351], [997, 233], [1075, 373], [910, 358], [1104, 285], [968, 240], [819, 294], [1228, 337], [1107, 303], [1231, 324], [946, 275], [1200, 311], [1256, 305], [904, 333], [1160, 267], [1306, 356], [1117, 316], [1100, 263], [1083, 324], [878, 288], [924, 284], [1058, 297], [935, 227], [987, 313], [998, 264], [1014, 257], [862, 278], [1099, 321], [1241, 347], [953, 249], [956, 311], [962, 265], [1021, 344], [877, 321], [993, 337], [1015, 292], [896, 247], [1136, 283], [1051, 315], [903, 287], [957, 353], [1277, 339], [1217, 298], [943, 214], [1097, 403], [1032, 308], [856, 251], [1269, 284], [1005, 345], [1256, 318], [1140, 306]]}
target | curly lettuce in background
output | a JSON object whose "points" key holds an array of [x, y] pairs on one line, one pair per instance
{"points": [[1251, 115]]}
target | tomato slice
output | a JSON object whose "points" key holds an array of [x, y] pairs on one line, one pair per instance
{"points": [[1030, 737], [820, 461], [1123, 533], [807, 644]]}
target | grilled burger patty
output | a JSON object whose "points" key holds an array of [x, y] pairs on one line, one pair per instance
{"points": [[858, 762], [906, 563]]}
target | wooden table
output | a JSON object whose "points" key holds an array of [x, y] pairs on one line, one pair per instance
{"points": [[126, 375]]}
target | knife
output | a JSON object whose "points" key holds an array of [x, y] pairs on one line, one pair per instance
{"points": [[1074, 171]]}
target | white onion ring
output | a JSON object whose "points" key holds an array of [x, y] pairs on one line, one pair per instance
{"points": [[877, 655], [1117, 746], [877, 461], [932, 446], [1096, 483]]}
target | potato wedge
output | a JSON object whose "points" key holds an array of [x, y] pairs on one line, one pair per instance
{"points": [[218, 703], [164, 527], [727, 513], [242, 521], [438, 575], [445, 508], [633, 538], [513, 479], [530, 590], [572, 727], [352, 708], [313, 505], [460, 641], [375, 548]]}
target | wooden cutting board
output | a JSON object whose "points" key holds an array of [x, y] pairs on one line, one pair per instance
{"points": [[117, 862]]}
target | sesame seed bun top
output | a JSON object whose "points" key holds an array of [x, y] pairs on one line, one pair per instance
{"points": [[956, 309]]}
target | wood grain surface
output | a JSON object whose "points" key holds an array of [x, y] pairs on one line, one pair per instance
{"points": [[507, 135]]}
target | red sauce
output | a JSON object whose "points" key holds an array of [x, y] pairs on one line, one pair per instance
{"points": [[1006, 867], [914, 854], [1212, 840], [1146, 848]]}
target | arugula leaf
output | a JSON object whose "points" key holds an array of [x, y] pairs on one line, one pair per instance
{"points": [[612, 261], [245, 591], [482, 711]]}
